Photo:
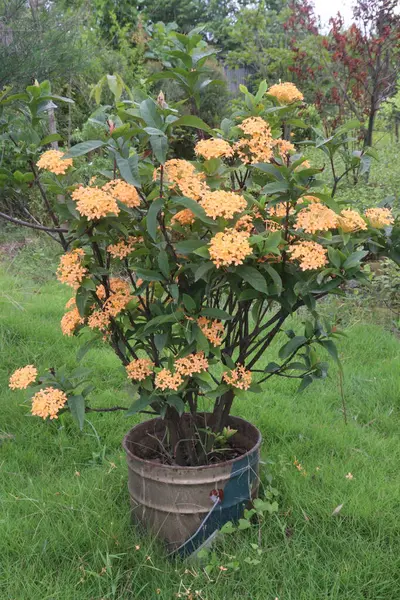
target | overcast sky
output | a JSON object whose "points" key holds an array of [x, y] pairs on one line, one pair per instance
{"points": [[329, 8]]}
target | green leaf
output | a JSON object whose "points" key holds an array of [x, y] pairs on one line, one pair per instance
{"points": [[244, 524], [192, 121], [177, 403], [194, 207], [148, 274], [83, 148], [334, 257], [159, 145], [188, 246], [189, 303], [76, 405], [216, 313], [53, 137], [354, 259], [149, 113], [162, 320], [275, 188], [124, 166], [330, 347], [202, 270], [253, 278], [228, 528], [163, 263], [83, 299], [152, 215], [292, 346], [139, 404], [276, 278]]}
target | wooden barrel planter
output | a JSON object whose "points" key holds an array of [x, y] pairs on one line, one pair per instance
{"points": [[185, 506]]}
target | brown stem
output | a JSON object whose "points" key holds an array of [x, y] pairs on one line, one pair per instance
{"points": [[58, 230]]}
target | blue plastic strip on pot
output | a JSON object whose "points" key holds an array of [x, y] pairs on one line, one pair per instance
{"points": [[236, 495]]}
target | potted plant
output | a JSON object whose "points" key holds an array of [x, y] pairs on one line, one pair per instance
{"points": [[189, 270]]}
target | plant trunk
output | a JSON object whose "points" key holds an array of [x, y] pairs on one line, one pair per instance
{"points": [[370, 129]]}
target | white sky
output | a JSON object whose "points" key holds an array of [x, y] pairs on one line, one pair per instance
{"points": [[329, 8]]}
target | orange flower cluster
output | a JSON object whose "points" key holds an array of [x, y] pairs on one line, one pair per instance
{"points": [[94, 203], [279, 210], [286, 92], [272, 225], [258, 147], [182, 174], [194, 363], [213, 330], [379, 217], [222, 204], [23, 377], [308, 198], [122, 191], [310, 254], [238, 378], [184, 217], [71, 319], [245, 223], [139, 369], [52, 160], [229, 247], [350, 220], [316, 217], [48, 402], [124, 247], [284, 147], [70, 269], [213, 148], [119, 297], [166, 380]]}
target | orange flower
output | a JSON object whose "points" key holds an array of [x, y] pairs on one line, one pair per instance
{"points": [[139, 369], [222, 204], [286, 92], [52, 160], [71, 319], [238, 378], [350, 220], [94, 203], [70, 269], [99, 320], [245, 223], [122, 191], [284, 147], [308, 198], [213, 148], [213, 330], [184, 217], [316, 217], [258, 146], [182, 174], [229, 247], [123, 248], [23, 377], [310, 254], [379, 217], [193, 363], [48, 402], [166, 380], [279, 210]]}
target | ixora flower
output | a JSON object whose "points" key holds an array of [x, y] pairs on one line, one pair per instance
{"points": [[310, 254], [94, 203], [183, 175], [212, 329], [350, 221], [124, 247], [22, 378], [184, 217], [213, 148], [222, 204], [72, 319], [229, 247], [48, 402], [53, 161], [286, 92], [284, 147], [70, 269], [167, 380], [379, 217], [124, 192], [139, 369], [316, 217], [239, 378], [193, 363], [259, 143]]}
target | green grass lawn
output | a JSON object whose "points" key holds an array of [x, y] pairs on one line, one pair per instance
{"points": [[64, 520]]}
